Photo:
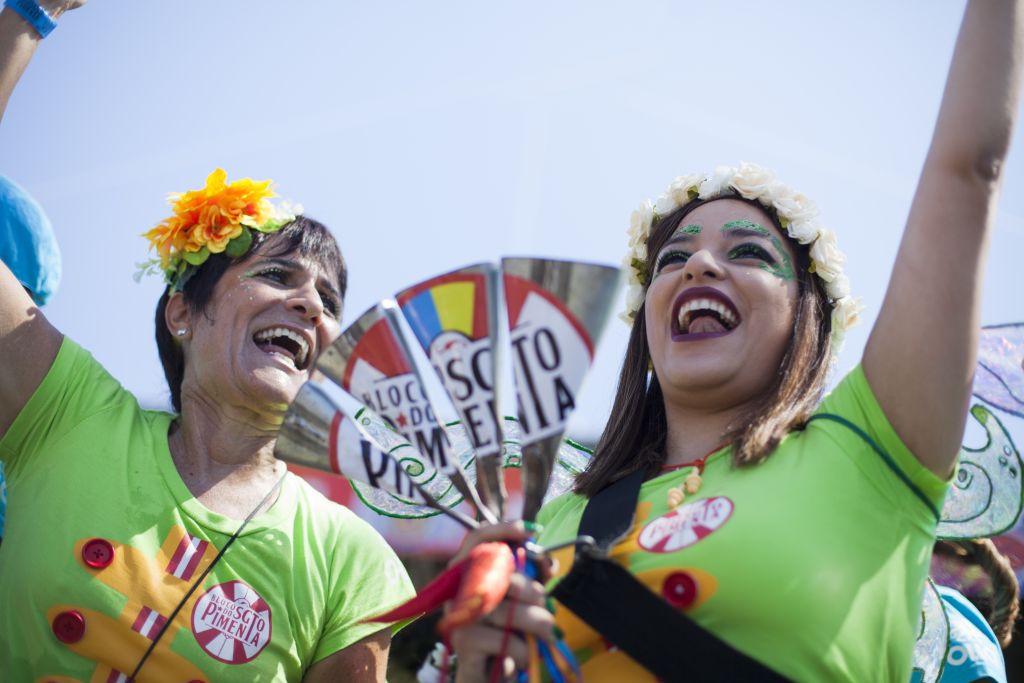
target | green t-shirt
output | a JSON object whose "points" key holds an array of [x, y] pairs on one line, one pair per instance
{"points": [[104, 540], [812, 562]]}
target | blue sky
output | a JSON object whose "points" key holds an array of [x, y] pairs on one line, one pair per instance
{"points": [[433, 135]]}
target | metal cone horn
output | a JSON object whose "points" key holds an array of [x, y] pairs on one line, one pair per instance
{"points": [[557, 311]]}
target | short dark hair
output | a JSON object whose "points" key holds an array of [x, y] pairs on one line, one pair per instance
{"points": [[635, 434], [309, 238]]}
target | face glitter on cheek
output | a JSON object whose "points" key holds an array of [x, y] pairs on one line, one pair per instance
{"points": [[783, 270]]}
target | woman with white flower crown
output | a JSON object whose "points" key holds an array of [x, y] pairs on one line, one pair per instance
{"points": [[146, 545], [744, 527]]}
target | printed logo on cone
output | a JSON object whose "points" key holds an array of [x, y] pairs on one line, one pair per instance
{"points": [[686, 525], [551, 354], [231, 622]]}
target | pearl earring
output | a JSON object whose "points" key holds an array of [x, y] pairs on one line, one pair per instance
{"points": [[181, 332]]}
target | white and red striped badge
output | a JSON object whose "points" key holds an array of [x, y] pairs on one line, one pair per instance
{"points": [[231, 622], [686, 525], [186, 557], [117, 677]]}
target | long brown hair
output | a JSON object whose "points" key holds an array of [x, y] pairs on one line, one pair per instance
{"points": [[1003, 605], [635, 434]]}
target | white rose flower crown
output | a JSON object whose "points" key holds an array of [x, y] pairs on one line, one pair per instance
{"points": [[797, 215]]}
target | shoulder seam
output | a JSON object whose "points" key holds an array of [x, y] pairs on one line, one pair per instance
{"points": [[886, 458]]}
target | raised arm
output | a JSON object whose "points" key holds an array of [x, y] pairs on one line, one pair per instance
{"points": [[28, 343], [921, 355], [18, 42]]}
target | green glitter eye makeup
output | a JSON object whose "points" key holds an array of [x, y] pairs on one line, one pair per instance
{"points": [[669, 258], [782, 269]]}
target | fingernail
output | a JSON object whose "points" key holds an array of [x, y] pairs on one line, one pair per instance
{"points": [[549, 602], [559, 633], [533, 527]]}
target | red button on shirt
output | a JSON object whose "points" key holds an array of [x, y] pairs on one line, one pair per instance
{"points": [[69, 627], [679, 589], [98, 553]]}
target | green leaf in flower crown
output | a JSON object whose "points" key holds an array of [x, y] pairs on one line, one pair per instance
{"points": [[239, 245], [273, 225], [173, 275], [178, 284], [197, 258]]}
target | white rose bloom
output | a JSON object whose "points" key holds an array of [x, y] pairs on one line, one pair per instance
{"points": [[665, 205], [828, 260], [632, 274], [679, 190], [838, 338], [752, 181], [626, 264], [792, 205], [839, 288], [805, 232], [712, 185], [846, 313], [640, 252], [634, 297], [640, 223]]}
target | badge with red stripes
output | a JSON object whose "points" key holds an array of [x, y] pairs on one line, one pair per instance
{"points": [[231, 622], [686, 525]]}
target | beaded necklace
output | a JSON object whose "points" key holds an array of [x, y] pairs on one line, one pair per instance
{"points": [[690, 486]]}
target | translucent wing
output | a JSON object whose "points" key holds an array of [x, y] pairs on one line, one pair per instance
{"points": [[987, 492], [1000, 376], [932, 644]]}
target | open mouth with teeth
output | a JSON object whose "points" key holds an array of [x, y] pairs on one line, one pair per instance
{"points": [[285, 343], [698, 317]]}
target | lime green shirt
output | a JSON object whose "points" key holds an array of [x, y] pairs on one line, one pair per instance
{"points": [[812, 562], [104, 540]]}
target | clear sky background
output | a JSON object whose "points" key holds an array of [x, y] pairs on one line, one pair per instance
{"points": [[432, 135]]}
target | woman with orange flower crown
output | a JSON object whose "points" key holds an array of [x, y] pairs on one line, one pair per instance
{"points": [[741, 527], [149, 546]]}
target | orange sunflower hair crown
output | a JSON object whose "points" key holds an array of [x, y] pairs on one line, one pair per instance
{"points": [[219, 218]]}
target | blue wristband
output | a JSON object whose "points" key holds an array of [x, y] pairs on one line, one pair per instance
{"points": [[35, 15]]}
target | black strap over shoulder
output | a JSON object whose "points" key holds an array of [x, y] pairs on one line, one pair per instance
{"points": [[608, 516], [615, 604]]}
